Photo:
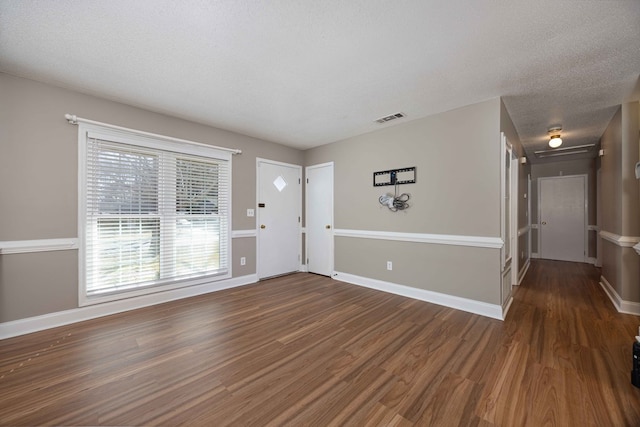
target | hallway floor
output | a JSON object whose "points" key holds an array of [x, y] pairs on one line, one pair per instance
{"points": [[568, 353]]}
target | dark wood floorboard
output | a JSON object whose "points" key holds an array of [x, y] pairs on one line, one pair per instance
{"points": [[306, 350]]}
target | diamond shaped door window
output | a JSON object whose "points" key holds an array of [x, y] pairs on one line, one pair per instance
{"points": [[280, 183]]}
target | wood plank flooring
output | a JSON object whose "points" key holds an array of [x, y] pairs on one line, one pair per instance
{"points": [[306, 350]]}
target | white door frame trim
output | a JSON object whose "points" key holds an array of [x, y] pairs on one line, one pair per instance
{"points": [[508, 262], [529, 224], [515, 245]]}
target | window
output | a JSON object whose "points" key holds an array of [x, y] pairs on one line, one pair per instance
{"points": [[154, 214]]}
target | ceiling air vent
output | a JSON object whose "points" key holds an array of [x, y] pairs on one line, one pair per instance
{"points": [[391, 117]]}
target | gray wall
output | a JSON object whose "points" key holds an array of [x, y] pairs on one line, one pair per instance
{"points": [[458, 165], [38, 185], [620, 198], [457, 156]]}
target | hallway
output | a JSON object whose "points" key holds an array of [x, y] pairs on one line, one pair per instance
{"points": [[569, 357]]}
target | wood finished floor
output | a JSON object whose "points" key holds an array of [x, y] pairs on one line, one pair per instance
{"points": [[306, 350]]}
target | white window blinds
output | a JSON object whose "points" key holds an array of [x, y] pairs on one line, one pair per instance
{"points": [[152, 216]]}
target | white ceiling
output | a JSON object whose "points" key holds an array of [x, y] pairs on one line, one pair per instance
{"points": [[305, 73]]}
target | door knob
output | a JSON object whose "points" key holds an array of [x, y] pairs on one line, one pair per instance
{"points": [[544, 222], [327, 227], [263, 226]]}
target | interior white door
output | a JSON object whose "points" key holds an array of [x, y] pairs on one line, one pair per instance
{"points": [[562, 218], [319, 218], [278, 215]]}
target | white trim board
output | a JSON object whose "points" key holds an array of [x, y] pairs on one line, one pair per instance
{"points": [[494, 311], [40, 245], [628, 307], [440, 239], [238, 234], [61, 318], [622, 241], [46, 245]]}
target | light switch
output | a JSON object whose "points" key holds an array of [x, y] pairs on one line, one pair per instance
{"points": [[251, 212]]}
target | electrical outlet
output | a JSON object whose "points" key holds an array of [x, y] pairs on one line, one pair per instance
{"points": [[251, 212], [243, 261], [389, 265]]}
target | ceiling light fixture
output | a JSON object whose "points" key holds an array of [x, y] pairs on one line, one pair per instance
{"points": [[554, 137]]}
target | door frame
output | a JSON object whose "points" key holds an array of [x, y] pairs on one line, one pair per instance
{"points": [[508, 262], [585, 236], [257, 217], [515, 239], [529, 223], [306, 207], [598, 218]]}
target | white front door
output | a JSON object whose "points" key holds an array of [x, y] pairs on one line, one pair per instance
{"points": [[319, 221], [562, 218], [278, 215]]}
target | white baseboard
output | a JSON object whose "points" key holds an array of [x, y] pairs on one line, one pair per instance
{"points": [[628, 307], [494, 311], [303, 268], [592, 260], [523, 270], [535, 255], [61, 318]]}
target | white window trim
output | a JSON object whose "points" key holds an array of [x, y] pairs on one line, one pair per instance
{"points": [[144, 139]]}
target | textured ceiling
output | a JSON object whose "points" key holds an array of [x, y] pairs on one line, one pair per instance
{"points": [[306, 73]]}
